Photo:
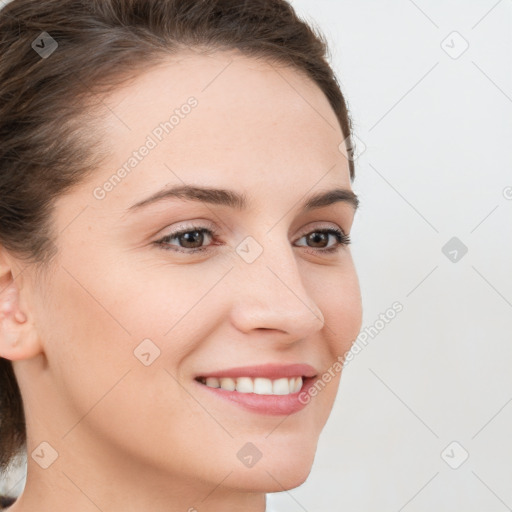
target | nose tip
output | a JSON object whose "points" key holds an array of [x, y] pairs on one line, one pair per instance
{"points": [[294, 284], [271, 289], [277, 306]]}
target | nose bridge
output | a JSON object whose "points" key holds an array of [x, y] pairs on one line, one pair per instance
{"points": [[271, 291]]}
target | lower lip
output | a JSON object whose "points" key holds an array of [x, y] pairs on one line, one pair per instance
{"points": [[274, 405]]}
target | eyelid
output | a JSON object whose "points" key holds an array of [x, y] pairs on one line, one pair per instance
{"points": [[322, 225], [187, 225], [203, 223], [342, 239]]}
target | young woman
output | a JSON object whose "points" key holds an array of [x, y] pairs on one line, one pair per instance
{"points": [[176, 287]]}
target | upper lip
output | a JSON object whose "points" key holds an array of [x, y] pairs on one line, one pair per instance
{"points": [[269, 371]]}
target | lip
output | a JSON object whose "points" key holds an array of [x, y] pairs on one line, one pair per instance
{"points": [[268, 371], [274, 405]]}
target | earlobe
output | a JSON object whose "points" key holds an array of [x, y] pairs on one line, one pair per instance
{"points": [[17, 337]]}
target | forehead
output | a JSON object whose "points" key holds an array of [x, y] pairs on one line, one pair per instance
{"points": [[252, 122], [220, 79]]}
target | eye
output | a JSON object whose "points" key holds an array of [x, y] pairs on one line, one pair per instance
{"points": [[190, 240], [319, 236], [191, 237]]}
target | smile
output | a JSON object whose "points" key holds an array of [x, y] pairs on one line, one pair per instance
{"points": [[257, 385]]}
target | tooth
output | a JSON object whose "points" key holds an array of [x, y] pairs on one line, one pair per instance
{"points": [[227, 383], [281, 387], [244, 385], [262, 386], [258, 385], [212, 382]]}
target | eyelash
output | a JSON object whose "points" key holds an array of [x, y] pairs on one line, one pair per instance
{"points": [[342, 240]]}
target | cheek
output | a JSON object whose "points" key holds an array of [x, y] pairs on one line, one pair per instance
{"points": [[98, 325], [112, 368], [85, 342], [338, 295]]}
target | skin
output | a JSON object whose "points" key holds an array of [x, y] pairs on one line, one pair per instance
{"points": [[132, 437]]}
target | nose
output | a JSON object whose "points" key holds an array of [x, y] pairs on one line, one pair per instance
{"points": [[270, 294]]}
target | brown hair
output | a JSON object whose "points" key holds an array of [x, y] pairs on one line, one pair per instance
{"points": [[48, 140]]}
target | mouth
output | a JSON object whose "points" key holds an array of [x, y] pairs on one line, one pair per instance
{"points": [[257, 385], [268, 389]]}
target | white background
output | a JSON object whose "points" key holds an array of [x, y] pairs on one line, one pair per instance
{"points": [[436, 134], [438, 137]]}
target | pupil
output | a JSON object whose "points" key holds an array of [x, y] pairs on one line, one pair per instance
{"points": [[314, 237], [191, 235]]}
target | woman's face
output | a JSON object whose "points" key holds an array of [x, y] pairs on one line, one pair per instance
{"points": [[127, 324]]}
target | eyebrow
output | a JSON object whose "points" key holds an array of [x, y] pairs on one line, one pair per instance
{"points": [[238, 201]]}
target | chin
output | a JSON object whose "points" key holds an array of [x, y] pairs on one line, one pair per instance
{"points": [[276, 473], [272, 481]]}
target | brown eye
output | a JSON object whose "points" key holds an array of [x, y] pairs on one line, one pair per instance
{"points": [[320, 238], [191, 239]]}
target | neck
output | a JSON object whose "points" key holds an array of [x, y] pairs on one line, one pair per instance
{"points": [[70, 490], [90, 478]]}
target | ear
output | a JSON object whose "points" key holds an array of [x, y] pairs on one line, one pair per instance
{"points": [[18, 337]]}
